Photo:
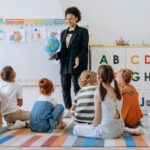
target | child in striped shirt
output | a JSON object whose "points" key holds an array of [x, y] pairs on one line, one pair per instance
{"points": [[83, 106]]}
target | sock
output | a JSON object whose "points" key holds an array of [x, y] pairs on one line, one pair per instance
{"points": [[18, 125]]}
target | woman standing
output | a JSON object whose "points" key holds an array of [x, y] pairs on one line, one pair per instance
{"points": [[73, 55]]}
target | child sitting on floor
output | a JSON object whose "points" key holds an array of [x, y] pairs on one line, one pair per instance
{"points": [[83, 106], [11, 100], [107, 121], [131, 111], [46, 112]]}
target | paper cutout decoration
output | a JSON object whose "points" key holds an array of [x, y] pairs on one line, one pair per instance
{"points": [[36, 34], [21, 21], [17, 36], [2, 34]]}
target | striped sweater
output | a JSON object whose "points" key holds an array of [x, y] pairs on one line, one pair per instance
{"points": [[84, 102]]}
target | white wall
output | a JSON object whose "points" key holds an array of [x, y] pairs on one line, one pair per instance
{"points": [[109, 20], [30, 9], [41, 9], [30, 94]]}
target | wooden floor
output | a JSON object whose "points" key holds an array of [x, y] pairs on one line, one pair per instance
{"points": [[146, 121]]}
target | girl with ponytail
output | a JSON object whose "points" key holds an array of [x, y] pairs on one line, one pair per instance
{"points": [[107, 123]]}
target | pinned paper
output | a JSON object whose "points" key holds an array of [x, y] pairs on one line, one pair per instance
{"points": [[36, 34], [2, 34], [17, 35]]}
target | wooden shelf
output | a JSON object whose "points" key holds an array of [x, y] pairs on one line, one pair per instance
{"points": [[113, 46]]}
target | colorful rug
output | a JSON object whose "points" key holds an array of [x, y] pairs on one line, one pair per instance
{"points": [[65, 138]]}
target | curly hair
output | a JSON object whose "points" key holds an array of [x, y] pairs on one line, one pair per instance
{"points": [[87, 77], [74, 11], [46, 86]]}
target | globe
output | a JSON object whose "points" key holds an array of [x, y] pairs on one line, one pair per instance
{"points": [[52, 44]]}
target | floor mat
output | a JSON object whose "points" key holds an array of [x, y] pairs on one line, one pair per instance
{"points": [[65, 138]]}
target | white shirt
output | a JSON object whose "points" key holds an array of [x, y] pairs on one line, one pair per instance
{"points": [[9, 93], [48, 98], [68, 39], [69, 35]]}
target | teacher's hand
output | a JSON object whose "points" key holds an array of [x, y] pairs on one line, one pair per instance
{"points": [[77, 62], [51, 56]]}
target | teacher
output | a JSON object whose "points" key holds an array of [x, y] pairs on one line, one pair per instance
{"points": [[73, 55]]}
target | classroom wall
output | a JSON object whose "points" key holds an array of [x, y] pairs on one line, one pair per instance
{"points": [[32, 9], [30, 94], [109, 20]]}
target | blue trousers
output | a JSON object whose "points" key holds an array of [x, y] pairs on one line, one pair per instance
{"points": [[43, 117]]}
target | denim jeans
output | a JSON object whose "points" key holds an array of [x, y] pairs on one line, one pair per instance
{"points": [[44, 116]]}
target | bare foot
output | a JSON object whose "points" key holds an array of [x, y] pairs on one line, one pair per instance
{"points": [[62, 125]]}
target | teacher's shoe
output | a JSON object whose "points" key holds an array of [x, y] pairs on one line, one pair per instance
{"points": [[67, 113]]}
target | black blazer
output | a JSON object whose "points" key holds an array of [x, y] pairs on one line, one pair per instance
{"points": [[78, 47]]}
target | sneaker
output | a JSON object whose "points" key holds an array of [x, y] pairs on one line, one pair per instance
{"points": [[18, 125], [67, 113]]}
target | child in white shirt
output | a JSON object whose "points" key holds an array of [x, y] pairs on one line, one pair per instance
{"points": [[11, 100]]}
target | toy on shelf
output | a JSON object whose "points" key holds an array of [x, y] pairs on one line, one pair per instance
{"points": [[121, 42]]}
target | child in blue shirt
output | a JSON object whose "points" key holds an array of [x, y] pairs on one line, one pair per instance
{"points": [[46, 112]]}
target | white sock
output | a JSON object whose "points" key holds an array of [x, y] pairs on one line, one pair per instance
{"points": [[139, 131], [67, 113], [18, 125]]}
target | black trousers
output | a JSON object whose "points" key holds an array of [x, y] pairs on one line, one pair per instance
{"points": [[66, 88]]}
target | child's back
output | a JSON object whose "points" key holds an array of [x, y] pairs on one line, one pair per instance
{"points": [[12, 100], [9, 96], [84, 102], [110, 127], [131, 111], [84, 111], [46, 111], [107, 121]]}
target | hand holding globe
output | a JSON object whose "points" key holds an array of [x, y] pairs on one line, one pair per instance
{"points": [[51, 46]]}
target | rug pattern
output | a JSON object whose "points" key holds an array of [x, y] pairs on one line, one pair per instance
{"points": [[65, 138]]}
